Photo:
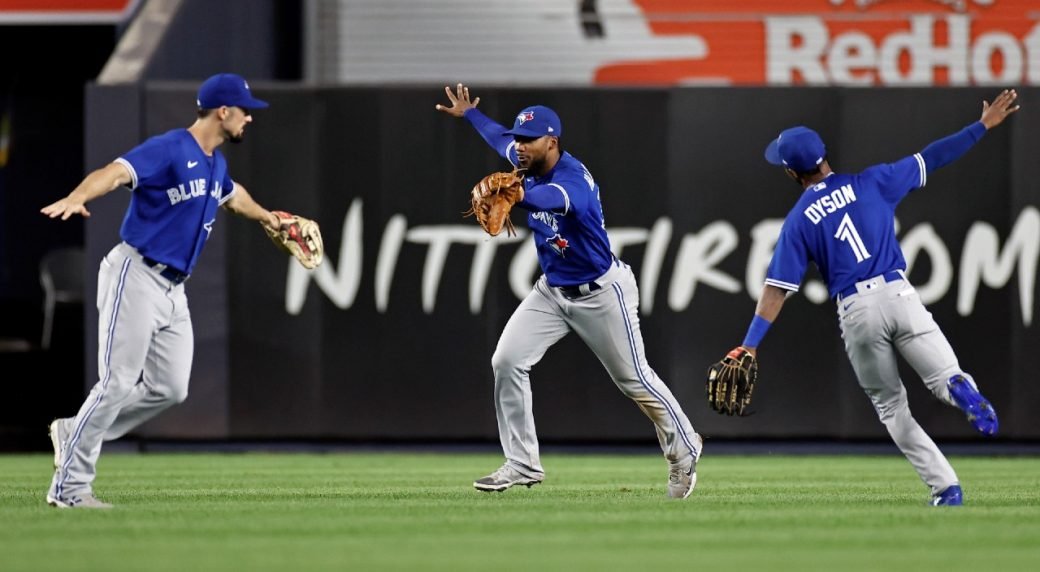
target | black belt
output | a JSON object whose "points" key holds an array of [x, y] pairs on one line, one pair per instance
{"points": [[168, 272], [572, 292], [890, 276]]}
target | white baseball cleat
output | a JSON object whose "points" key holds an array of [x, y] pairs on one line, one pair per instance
{"points": [[505, 477], [682, 477], [84, 501]]}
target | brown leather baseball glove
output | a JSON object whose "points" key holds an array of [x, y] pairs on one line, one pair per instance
{"points": [[493, 197]]}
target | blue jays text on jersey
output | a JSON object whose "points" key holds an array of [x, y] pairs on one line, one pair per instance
{"points": [[846, 223], [565, 213], [177, 189], [196, 188]]}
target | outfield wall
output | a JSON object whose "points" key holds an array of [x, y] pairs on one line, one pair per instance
{"points": [[392, 337]]}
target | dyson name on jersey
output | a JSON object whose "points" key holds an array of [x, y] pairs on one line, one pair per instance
{"points": [[823, 206], [196, 188]]}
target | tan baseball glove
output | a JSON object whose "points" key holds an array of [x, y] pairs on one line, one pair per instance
{"points": [[493, 197], [298, 236], [731, 381]]}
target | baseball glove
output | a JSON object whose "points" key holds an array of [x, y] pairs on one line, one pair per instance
{"points": [[298, 236], [731, 382], [493, 197]]}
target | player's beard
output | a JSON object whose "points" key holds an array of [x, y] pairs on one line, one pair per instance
{"points": [[229, 136], [533, 165]]}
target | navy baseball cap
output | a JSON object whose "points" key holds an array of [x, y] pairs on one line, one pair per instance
{"points": [[227, 89], [798, 148], [536, 121]]}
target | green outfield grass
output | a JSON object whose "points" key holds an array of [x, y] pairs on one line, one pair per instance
{"points": [[418, 512]]}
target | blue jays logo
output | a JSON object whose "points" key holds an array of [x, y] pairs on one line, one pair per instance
{"points": [[525, 116], [559, 244]]}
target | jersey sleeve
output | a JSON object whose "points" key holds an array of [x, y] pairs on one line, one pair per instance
{"points": [[790, 258], [227, 189], [563, 196], [148, 162], [948, 149], [493, 133], [895, 180]]}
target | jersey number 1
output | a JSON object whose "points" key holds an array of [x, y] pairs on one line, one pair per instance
{"points": [[847, 232]]}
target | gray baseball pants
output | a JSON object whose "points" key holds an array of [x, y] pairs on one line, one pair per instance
{"points": [[876, 322], [145, 348], [607, 321]]}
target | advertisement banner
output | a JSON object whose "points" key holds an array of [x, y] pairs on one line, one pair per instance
{"points": [[858, 43]]}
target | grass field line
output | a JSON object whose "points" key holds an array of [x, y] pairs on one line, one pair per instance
{"points": [[418, 511]]}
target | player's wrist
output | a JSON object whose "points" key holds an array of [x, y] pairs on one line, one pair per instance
{"points": [[756, 331]]}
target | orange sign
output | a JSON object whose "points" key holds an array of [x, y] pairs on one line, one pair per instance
{"points": [[64, 11], [842, 42]]}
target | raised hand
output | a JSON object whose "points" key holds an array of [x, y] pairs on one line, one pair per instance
{"points": [[1003, 105], [460, 101]]}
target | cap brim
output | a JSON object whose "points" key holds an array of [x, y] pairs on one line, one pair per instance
{"points": [[255, 103], [773, 152], [527, 133]]}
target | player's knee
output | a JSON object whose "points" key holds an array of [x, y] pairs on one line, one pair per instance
{"points": [[889, 407], [504, 360], [179, 395], [174, 394], [892, 410]]}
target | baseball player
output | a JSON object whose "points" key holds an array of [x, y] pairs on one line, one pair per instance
{"points": [[145, 341], [584, 288], [845, 224]]}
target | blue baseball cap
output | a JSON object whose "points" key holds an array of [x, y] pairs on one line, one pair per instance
{"points": [[536, 121], [227, 89], [798, 148]]}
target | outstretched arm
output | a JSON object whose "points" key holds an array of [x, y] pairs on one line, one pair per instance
{"points": [[769, 305], [96, 184], [297, 236], [948, 149], [492, 132], [242, 204]]}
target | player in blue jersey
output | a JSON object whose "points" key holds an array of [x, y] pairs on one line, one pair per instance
{"points": [[844, 223], [145, 342], [584, 288]]}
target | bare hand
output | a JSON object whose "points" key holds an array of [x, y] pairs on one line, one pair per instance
{"points": [[1003, 105], [270, 216], [65, 208], [460, 102]]}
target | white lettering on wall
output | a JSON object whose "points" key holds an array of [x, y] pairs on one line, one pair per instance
{"points": [[802, 48], [923, 238], [982, 261], [341, 287], [695, 263], [763, 240]]}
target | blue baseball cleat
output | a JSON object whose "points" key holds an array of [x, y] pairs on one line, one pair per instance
{"points": [[980, 413], [950, 496]]}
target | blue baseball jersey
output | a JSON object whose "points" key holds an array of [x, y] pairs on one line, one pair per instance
{"points": [[845, 224], [571, 239], [565, 213], [177, 189]]}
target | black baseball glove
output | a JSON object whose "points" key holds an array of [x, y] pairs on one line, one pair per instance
{"points": [[731, 381]]}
